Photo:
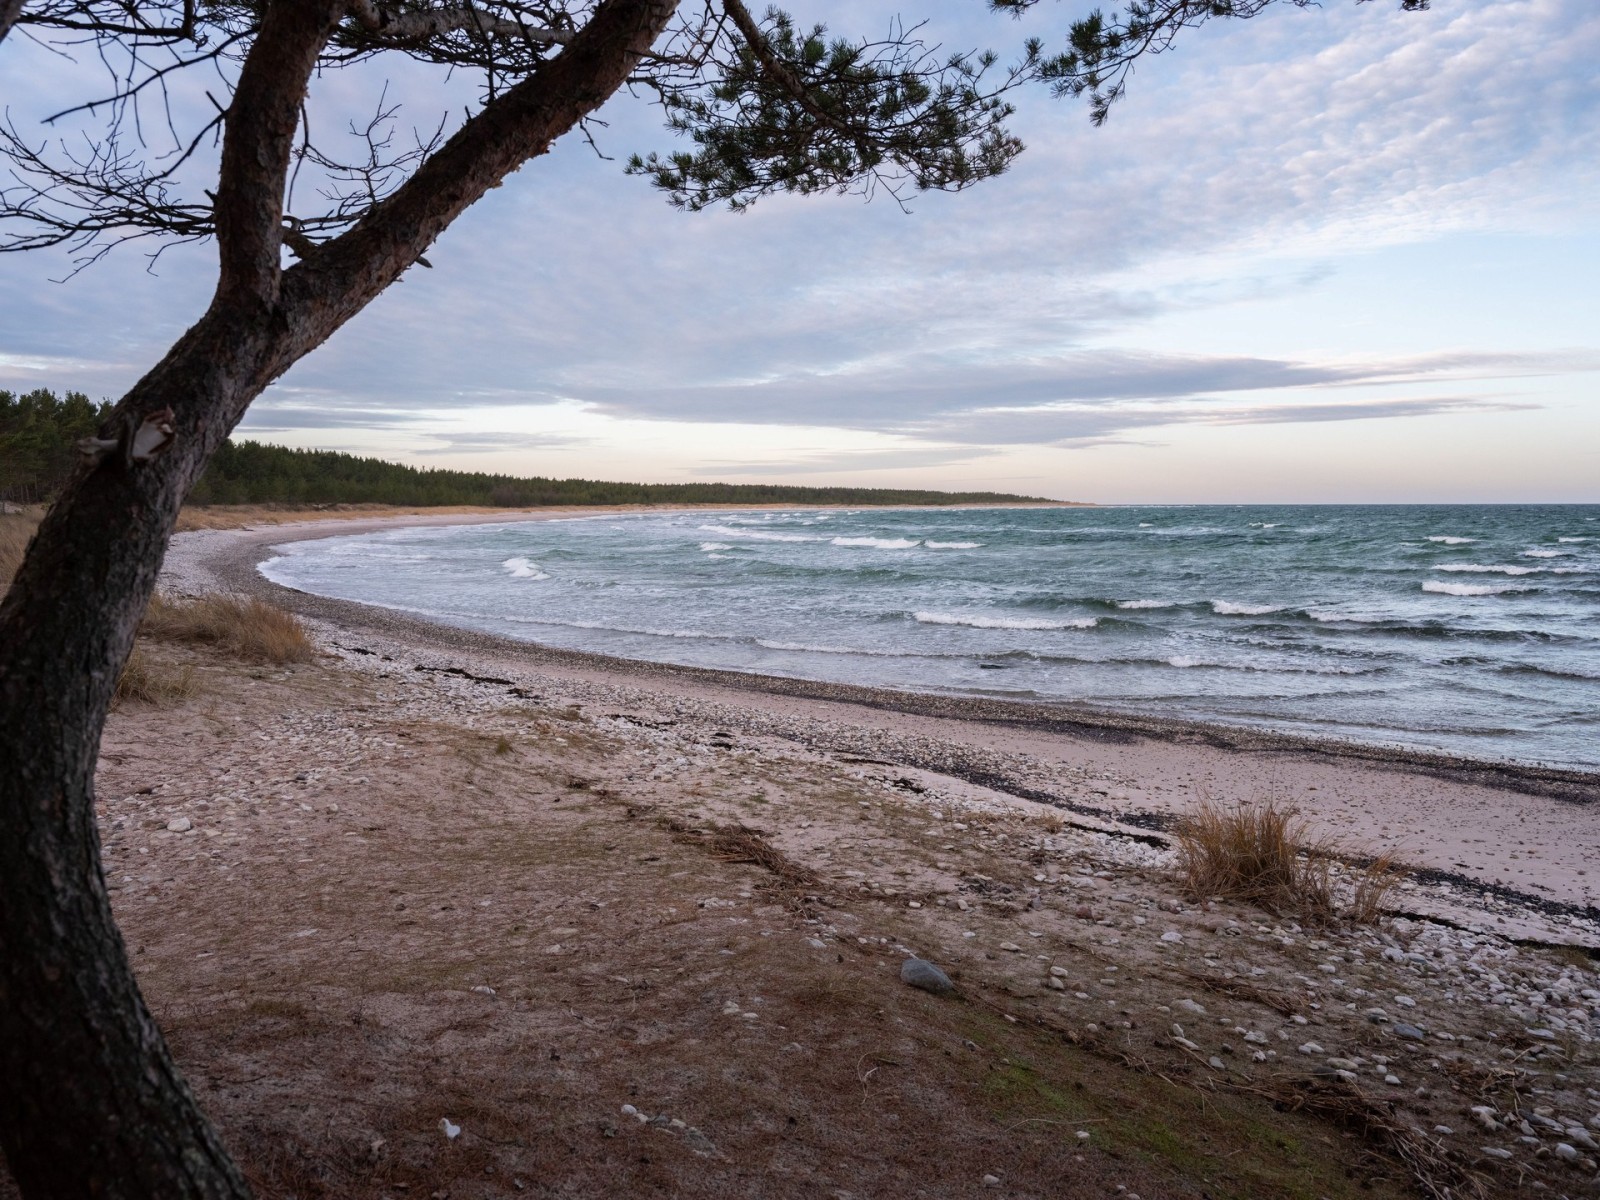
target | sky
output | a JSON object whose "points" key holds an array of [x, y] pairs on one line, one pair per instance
{"points": [[1329, 255]]}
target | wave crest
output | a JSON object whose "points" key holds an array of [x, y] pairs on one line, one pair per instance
{"points": [[981, 622]]}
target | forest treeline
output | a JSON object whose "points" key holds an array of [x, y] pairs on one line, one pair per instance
{"points": [[38, 430]]}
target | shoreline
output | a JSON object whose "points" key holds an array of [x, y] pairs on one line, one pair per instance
{"points": [[1576, 784], [1474, 813]]}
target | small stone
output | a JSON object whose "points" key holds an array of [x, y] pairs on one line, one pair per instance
{"points": [[920, 973], [1567, 1153], [1192, 1006], [1443, 1129], [1547, 1035], [1405, 1001], [1215, 1063], [1056, 983], [629, 1110], [1409, 1032], [1012, 947], [1310, 1048], [1377, 1016], [1495, 1152], [816, 943], [180, 825], [991, 1181], [1172, 935], [1059, 972], [1392, 1080], [1083, 1135], [449, 1128]]}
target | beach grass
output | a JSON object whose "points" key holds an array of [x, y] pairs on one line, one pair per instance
{"points": [[144, 680], [1268, 855], [245, 628]]}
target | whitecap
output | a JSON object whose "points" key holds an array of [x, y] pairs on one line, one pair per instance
{"points": [[1468, 589], [1326, 616], [716, 557], [713, 547], [1573, 539], [1265, 524], [876, 543], [1544, 553], [1144, 524], [756, 535], [522, 568], [1228, 608], [1144, 603], [952, 545], [1183, 660], [1452, 541], [982, 622], [1479, 569]]}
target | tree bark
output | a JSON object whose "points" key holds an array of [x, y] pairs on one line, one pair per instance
{"points": [[91, 1103]]}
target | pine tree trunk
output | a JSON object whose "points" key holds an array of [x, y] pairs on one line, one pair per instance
{"points": [[91, 1103]]}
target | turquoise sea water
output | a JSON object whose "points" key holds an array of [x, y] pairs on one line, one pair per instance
{"points": [[1474, 630]]}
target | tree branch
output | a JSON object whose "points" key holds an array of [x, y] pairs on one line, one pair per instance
{"points": [[342, 275], [258, 143]]}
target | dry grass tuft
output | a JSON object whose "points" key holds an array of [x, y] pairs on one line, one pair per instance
{"points": [[1269, 856], [1434, 1169], [148, 682], [247, 628], [15, 530]]}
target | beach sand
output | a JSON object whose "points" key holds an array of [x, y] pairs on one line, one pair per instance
{"points": [[639, 929]]}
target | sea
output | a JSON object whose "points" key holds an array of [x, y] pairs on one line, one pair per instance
{"points": [[1471, 630]]}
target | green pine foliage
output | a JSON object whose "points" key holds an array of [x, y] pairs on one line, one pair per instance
{"points": [[37, 433], [252, 473], [38, 430]]}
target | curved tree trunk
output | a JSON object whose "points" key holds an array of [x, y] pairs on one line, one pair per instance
{"points": [[91, 1103]]}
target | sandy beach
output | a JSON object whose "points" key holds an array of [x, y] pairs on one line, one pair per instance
{"points": [[637, 928]]}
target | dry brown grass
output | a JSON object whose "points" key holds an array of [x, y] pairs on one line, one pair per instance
{"points": [[246, 628], [1268, 855], [146, 681], [15, 530]]}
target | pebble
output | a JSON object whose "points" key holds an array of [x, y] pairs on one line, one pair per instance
{"points": [[1011, 946], [1310, 1048], [1405, 1001], [1188, 1005], [1567, 1153], [180, 825], [991, 1181], [1495, 1152], [920, 973], [1172, 935], [1409, 1032]]}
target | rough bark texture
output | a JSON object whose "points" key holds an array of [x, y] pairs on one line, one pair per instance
{"points": [[91, 1103], [10, 10]]}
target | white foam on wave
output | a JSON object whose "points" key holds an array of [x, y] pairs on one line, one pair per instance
{"points": [[1544, 553], [1265, 524], [982, 622], [1183, 660], [877, 543], [1479, 569], [1468, 589], [756, 535], [804, 647], [1144, 603], [713, 547], [1228, 608], [1576, 539], [1327, 616], [952, 545], [1452, 541], [522, 568], [715, 557], [1144, 524]]}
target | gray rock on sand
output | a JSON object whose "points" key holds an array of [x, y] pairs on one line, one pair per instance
{"points": [[920, 973]]}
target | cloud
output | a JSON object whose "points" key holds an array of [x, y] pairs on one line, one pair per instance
{"points": [[855, 460], [488, 443]]}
